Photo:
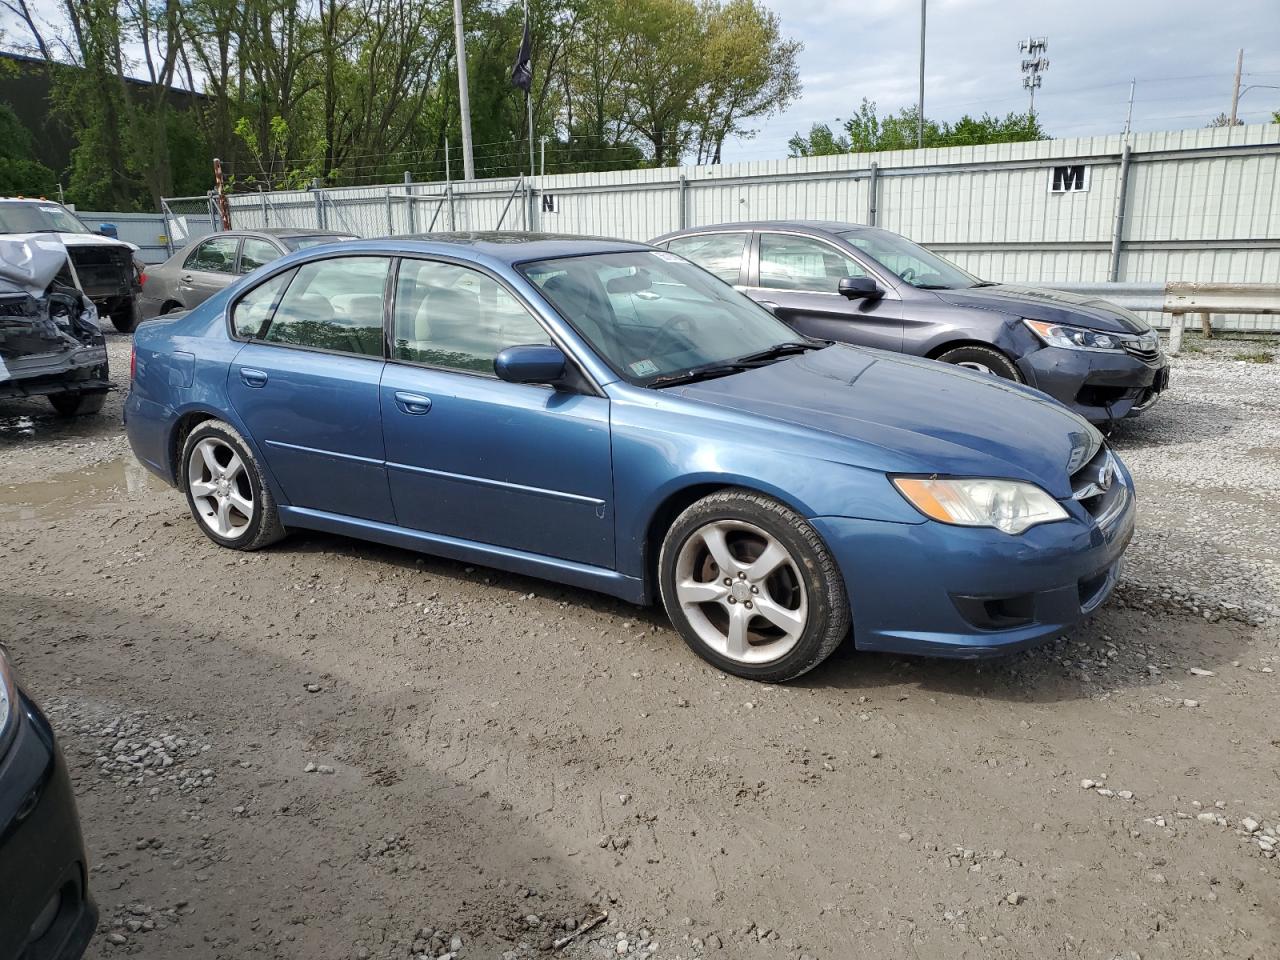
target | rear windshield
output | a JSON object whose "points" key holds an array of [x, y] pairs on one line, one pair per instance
{"points": [[301, 243], [38, 218]]}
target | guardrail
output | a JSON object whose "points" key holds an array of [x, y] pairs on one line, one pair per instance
{"points": [[1179, 298]]}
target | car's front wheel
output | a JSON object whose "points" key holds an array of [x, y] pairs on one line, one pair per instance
{"points": [[225, 489], [751, 587], [986, 360]]}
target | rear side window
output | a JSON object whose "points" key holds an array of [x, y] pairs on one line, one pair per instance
{"points": [[254, 253], [216, 255], [454, 317], [333, 305], [255, 307], [718, 253]]}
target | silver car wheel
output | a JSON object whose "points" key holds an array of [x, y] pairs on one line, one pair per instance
{"points": [[741, 591], [979, 367], [220, 488]]}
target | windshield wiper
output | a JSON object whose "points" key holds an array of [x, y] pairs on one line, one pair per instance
{"points": [[933, 286], [776, 351], [985, 283], [709, 372]]}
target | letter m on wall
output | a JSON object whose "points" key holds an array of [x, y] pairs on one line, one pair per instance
{"points": [[1072, 178]]}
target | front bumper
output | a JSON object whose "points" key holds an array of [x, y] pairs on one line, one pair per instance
{"points": [[1100, 386], [47, 913], [967, 592]]}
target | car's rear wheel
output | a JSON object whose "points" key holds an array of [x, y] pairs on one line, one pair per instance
{"points": [[78, 404], [225, 489], [986, 360], [125, 317], [751, 587]]}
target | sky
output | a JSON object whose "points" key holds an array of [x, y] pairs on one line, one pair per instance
{"points": [[1182, 53]]}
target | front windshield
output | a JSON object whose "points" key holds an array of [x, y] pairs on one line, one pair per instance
{"points": [[38, 218], [911, 262], [651, 314]]}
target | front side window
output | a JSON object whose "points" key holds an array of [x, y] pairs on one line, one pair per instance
{"points": [[255, 307], [454, 317], [911, 262], [803, 263], [217, 255], [718, 253], [650, 314], [333, 305], [254, 253]]}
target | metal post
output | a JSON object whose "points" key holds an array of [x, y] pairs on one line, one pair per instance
{"points": [[528, 102], [318, 196], [682, 217], [391, 226], [1235, 90], [1122, 199], [1206, 324], [920, 103], [460, 55], [543, 166], [408, 192], [873, 188], [262, 194], [1175, 334], [1128, 117]]}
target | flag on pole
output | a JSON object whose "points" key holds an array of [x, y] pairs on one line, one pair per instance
{"points": [[522, 70]]}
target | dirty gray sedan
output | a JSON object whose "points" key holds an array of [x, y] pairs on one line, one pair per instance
{"points": [[202, 268], [867, 286]]}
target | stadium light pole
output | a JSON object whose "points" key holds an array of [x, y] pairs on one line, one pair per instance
{"points": [[920, 102], [460, 53]]}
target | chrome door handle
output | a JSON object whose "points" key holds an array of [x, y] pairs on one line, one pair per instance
{"points": [[414, 404], [252, 377], [186, 278]]}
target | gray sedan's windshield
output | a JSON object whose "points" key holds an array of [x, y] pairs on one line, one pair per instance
{"points": [[910, 261], [38, 218], [654, 316]]}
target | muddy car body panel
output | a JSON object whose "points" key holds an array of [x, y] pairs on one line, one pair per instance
{"points": [[50, 343], [578, 484], [106, 268], [48, 910]]}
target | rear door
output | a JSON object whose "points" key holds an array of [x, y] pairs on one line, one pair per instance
{"points": [[798, 276], [724, 254], [207, 269], [306, 383], [256, 252]]}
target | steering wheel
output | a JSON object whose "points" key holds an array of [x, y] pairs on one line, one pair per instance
{"points": [[909, 275], [674, 325]]}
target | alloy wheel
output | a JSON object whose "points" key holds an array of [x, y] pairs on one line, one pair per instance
{"points": [[220, 488], [741, 591], [975, 365]]}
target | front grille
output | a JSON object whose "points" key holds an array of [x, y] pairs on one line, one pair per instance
{"points": [[1097, 486], [1147, 354]]}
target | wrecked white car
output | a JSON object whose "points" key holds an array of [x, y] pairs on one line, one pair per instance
{"points": [[50, 342]]}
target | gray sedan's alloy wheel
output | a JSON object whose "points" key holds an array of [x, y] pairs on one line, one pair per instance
{"points": [[224, 488], [751, 587], [981, 359]]}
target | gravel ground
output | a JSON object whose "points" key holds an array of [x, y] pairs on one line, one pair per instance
{"points": [[334, 749]]}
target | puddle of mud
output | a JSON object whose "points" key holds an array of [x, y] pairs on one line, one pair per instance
{"points": [[63, 494]]}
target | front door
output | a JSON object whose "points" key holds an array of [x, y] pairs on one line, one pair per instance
{"points": [[306, 383], [470, 456], [800, 275]]}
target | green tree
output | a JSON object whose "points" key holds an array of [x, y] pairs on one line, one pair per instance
{"points": [[20, 171]]}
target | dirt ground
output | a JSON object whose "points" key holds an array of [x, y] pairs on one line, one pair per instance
{"points": [[331, 749]]}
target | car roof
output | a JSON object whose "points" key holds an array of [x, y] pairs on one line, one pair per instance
{"points": [[818, 226], [504, 247]]}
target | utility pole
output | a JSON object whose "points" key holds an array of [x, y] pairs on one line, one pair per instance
{"points": [[1128, 117], [1235, 90], [528, 101], [920, 102], [460, 54], [1033, 65], [543, 158]]}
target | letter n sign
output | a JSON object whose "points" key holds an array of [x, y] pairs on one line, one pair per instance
{"points": [[548, 203], [1073, 178]]}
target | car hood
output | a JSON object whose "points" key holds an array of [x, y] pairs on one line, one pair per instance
{"points": [[915, 416], [94, 240], [1051, 306]]}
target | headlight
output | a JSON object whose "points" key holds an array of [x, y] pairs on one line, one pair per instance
{"points": [[1008, 505], [1073, 338], [8, 703]]}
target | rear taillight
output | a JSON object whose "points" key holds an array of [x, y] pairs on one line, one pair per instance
{"points": [[142, 278], [133, 363]]}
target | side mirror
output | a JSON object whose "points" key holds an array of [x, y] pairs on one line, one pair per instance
{"points": [[109, 230], [530, 363], [860, 288]]}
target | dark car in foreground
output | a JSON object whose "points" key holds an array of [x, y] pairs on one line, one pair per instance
{"points": [[50, 342], [868, 286], [46, 911], [202, 268], [608, 415]]}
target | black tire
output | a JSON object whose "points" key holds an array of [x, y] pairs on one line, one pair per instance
{"points": [[125, 318], [992, 359], [78, 404], [171, 307], [264, 527], [828, 620]]}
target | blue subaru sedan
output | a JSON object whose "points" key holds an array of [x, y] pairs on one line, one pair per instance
{"points": [[608, 415]]}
